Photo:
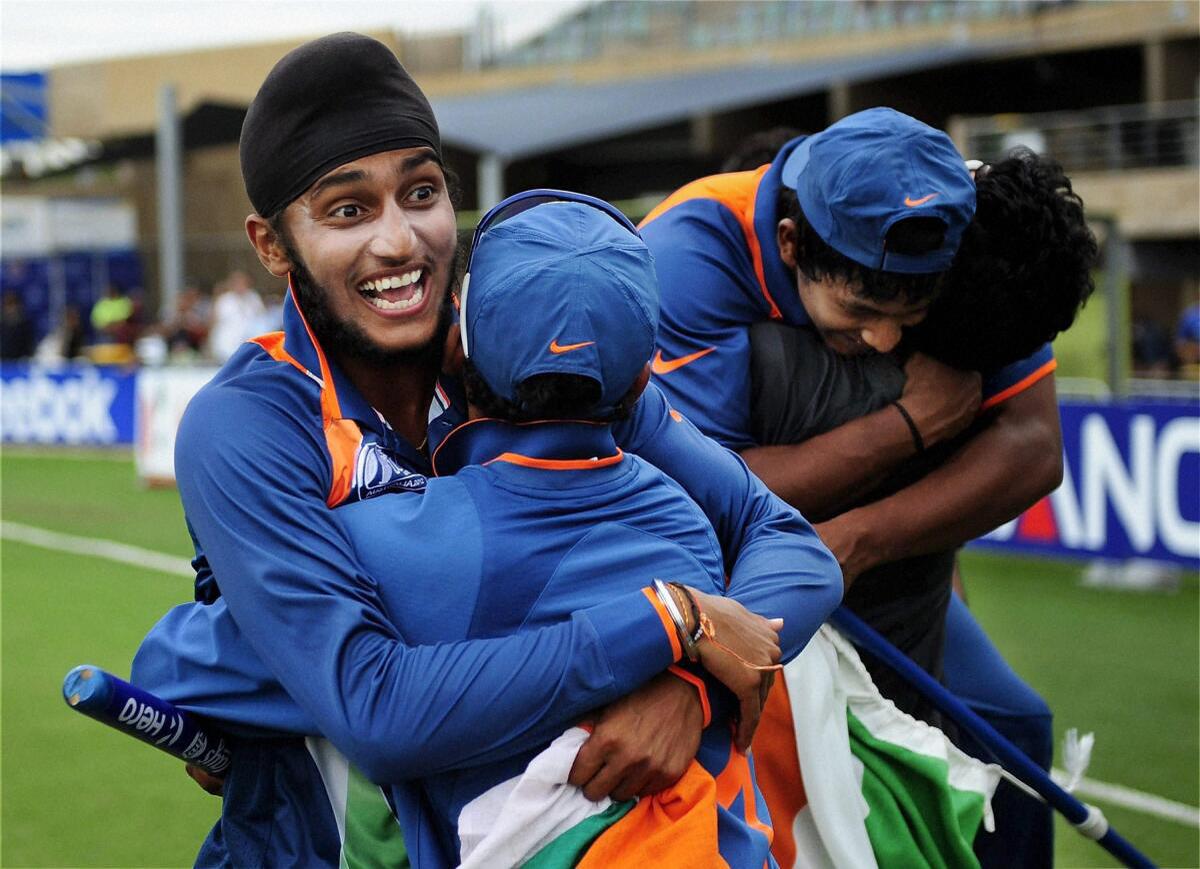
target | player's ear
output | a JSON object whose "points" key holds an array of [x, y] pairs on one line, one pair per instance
{"points": [[267, 244], [639, 386], [787, 239]]}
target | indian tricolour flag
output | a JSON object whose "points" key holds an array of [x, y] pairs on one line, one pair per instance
{"points": [[874, 786], [539, 821], [852, 783]]}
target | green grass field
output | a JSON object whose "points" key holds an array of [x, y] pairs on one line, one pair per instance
{"points": [[73, 793]]}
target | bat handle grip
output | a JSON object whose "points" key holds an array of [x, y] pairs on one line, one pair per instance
{"points": [[145, 716]]}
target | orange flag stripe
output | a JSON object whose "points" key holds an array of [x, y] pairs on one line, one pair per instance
{"points": [[675, 827]]}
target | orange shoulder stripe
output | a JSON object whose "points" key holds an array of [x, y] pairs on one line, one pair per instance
{"points": [[272, 343], [730, 189], [343, 437], [1020, 386], [737, 191]]}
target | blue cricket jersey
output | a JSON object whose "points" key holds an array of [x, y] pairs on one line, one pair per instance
{"points": [[546, 520]]}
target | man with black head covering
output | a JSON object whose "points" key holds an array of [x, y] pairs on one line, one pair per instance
{"points": [[341, 159]]}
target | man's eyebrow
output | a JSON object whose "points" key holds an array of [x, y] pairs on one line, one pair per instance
{"points": [[857, 306], [860, 307], [348, 177], [417, 160], [351, 176]]}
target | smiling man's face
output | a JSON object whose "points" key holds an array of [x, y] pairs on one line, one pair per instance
{"points": [[375, 241]]}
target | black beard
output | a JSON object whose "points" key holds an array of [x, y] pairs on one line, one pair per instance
{"points": [[345, 340]]}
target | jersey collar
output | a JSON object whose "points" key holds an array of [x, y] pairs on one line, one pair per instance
{"points": [[781, 282], [304, 347], [548, 446]]}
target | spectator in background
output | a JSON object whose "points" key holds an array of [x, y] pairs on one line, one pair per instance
{"points": [[68, 339], [1152, 357], [16, 339], [187, 331], [1187, 342], [113, 317], [237, 313]]}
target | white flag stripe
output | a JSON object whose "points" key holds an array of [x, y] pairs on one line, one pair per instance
{"points": [[335, 775], [109, 550], [508, 824]]}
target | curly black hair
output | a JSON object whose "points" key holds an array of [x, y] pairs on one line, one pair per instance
{"points": [[540, 397], [1023, 270]]}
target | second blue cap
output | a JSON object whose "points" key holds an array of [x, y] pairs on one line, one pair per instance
{"points": [[858, 177]]}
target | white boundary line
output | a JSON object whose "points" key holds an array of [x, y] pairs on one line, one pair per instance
{"points": [[1138, 801], [78, 454], [107, 549], [1116, 795]]}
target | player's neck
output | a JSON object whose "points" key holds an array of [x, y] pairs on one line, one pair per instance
{"points": [[401, 393]]}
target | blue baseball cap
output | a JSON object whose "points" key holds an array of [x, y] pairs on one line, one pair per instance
{"points": [[858, 177], [563, 287]]}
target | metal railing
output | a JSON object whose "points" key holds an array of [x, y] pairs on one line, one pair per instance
{"points": [[1111, 138], [609, 27]]}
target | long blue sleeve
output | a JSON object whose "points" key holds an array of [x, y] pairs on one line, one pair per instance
{"points": [[253, 485], [777, 565]]}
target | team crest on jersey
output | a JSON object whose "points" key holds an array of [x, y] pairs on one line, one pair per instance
{"points": [[376, 472]]}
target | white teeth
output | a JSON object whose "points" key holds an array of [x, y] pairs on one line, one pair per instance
{"points": [[385, 305], [391, 283]]}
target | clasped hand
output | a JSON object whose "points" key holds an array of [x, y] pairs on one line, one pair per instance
{"points": [[643, 742]]}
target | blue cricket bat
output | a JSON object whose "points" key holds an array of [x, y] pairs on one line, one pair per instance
{"points": [[129, 709]]}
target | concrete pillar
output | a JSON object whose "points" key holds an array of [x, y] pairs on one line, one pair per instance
{"points": [[1116, 297], [489, 177], [837, 101], [1154, 72], [958, 129], [703, 134], [1170, 71], [168, 155]]}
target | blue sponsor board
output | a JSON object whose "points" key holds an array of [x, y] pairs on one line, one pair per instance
{"points": [[1131, 475], [1131, 486], [48, 284], [83, 405], [22, 107]]}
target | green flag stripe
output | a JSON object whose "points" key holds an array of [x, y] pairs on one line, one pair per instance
{"points": [[568, 848], [373, 836], [916, 818]]}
